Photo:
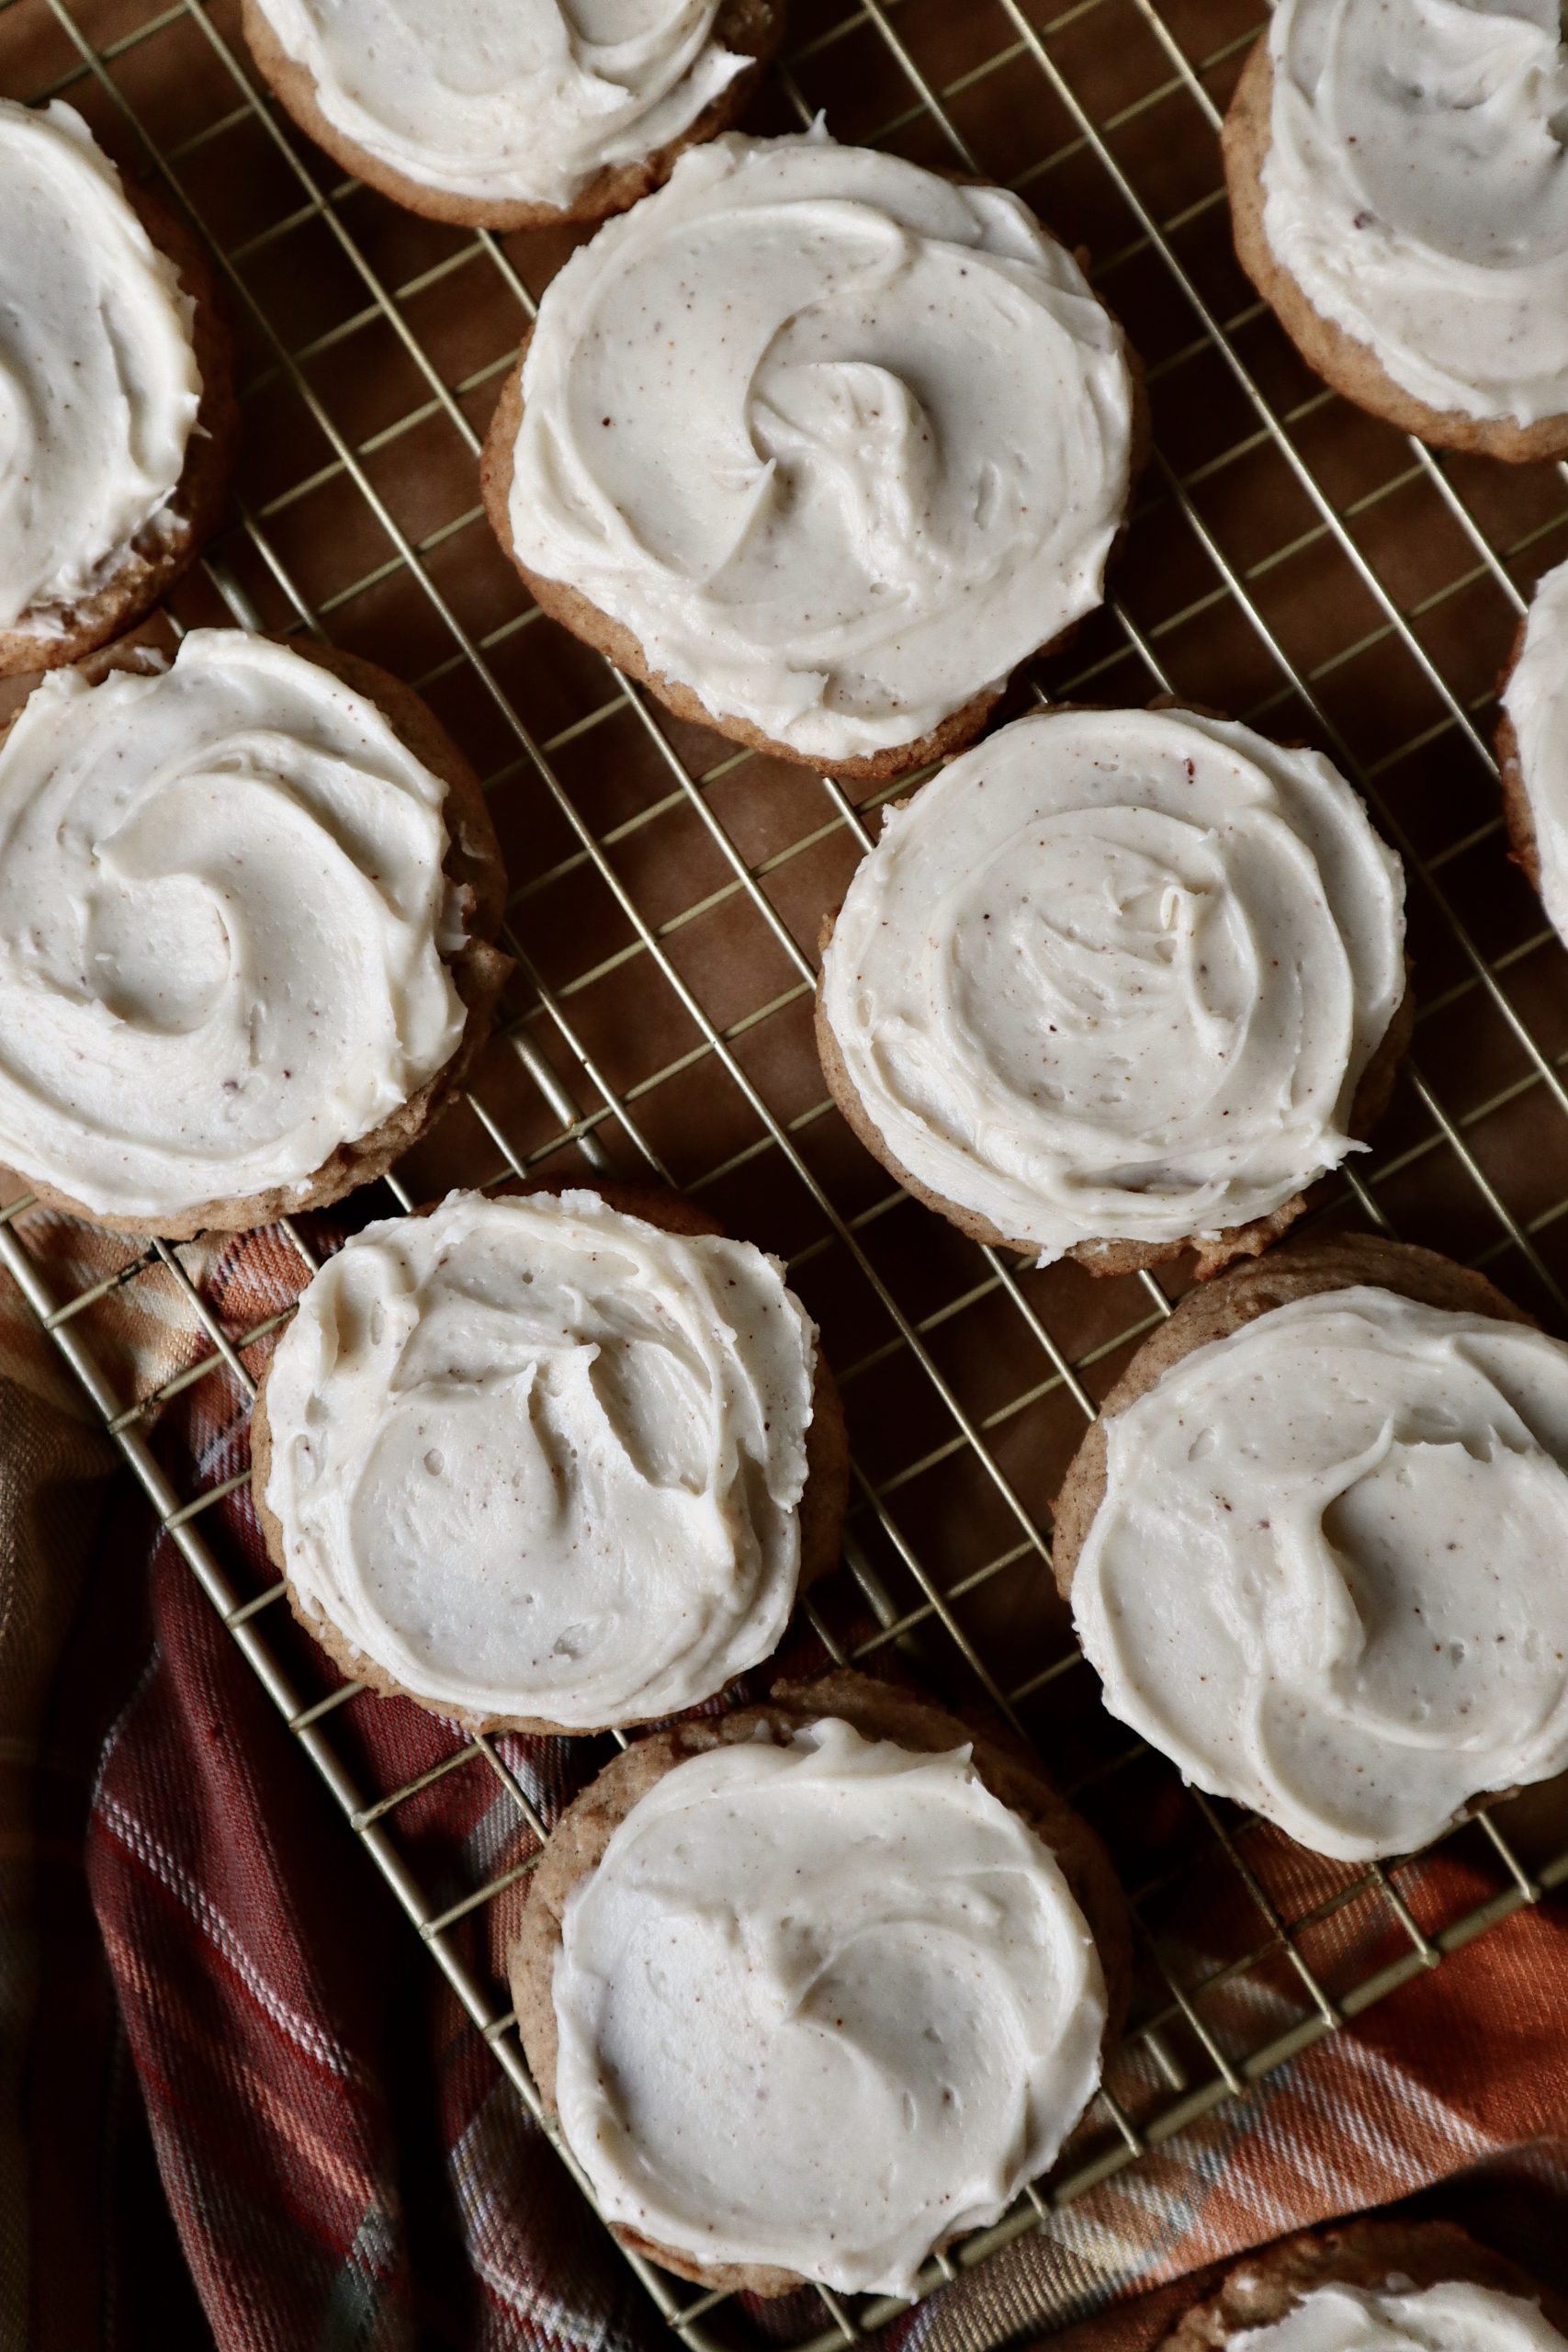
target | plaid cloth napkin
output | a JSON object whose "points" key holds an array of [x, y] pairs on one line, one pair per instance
{"points": [[238, 2103]]}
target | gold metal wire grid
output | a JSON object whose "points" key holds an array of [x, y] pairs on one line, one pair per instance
{"points": [[1288, 560]]}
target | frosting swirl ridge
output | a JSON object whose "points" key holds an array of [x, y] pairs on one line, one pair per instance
{"points": [[822, 2006], [512, 100], [1115, 975], [222, 918], [538, 1459], [99, 382], [756, 436], [1325, 1575], [1416, 187]]}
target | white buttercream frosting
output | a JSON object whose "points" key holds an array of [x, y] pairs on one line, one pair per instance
{"points": [[822, 2006], [1115, 975], [1416, 187], [838, 441], [1452, 2317], [517, 101], [1536, 699], [223, 918], [536, 1458], [1326, 1577], [98, 381]]}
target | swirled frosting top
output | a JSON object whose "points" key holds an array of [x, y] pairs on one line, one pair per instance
{"points": [[822, 2006], [1536, 699], [538, 1459], [1453, 2317], [1325, 1575], [1416, 187], [838, 441], [1115, 975], [520, 101], [222, 922], [99, 382]]}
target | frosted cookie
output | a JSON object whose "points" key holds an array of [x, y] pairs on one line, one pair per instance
{"points": [[511, 114], [1399, 194], [815, 1988], [549, 1462], [1312, 1545], [246, 911], [1119, 983], [1373, 2286], [1532, 744], [750, 454], [116, 413]]}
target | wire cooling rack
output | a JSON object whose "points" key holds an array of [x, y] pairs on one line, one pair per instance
{"points": [[1288, 561]]}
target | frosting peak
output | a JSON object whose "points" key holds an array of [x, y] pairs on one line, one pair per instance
{"points": [[99, 382], [822, 2006], [755, 433]]}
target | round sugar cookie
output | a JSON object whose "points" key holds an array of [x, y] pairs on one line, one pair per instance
{"points": [[1398, 198], [510, 114], [119, 414], [755, 464], [780, 2003], [552, 1459], [248, 903], [1117, 984], [1310, 1544]]}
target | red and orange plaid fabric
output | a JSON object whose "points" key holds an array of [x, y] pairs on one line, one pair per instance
{"points": [[237, 2102]]}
